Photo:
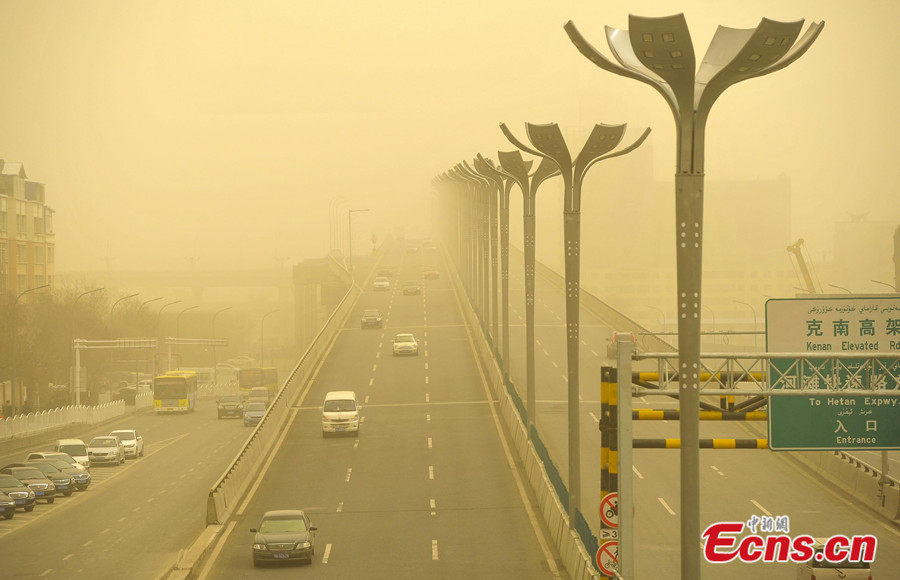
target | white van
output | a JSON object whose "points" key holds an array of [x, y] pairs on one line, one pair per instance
{"points": [[75, 448], [340, 413]]}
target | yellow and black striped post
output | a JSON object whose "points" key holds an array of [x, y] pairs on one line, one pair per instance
{"points": [[609, 442]]}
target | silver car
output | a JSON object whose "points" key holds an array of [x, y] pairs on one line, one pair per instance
{"points": [[106, 450]]}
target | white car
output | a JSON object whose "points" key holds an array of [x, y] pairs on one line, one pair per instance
{"points": [[825, 570], [340, 413], [381, 283], [74, 447], [106, 449], [405, 344], [132, 440]]}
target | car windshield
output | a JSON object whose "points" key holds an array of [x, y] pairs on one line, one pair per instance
{"points": [[28, 473], [370, 313], [339, 405], [9, 481], [73, 449], [404, 338], [124, 435], [381, 279], [282, 525], [60, 456], [230, 399], [45, 467], [103, 442], [57, 463], [255, 406]]}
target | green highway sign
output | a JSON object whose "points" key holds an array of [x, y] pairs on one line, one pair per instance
{"points": [[832, 326]]}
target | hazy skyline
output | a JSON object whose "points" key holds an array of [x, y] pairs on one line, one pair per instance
{"points": [[217, 132]]}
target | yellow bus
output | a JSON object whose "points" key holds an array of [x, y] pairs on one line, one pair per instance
{"points": [[270, 380], [175, 392], [249, 378]]}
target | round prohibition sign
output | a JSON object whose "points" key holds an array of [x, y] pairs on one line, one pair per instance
{"points": [[609, 510], [608, 557]]}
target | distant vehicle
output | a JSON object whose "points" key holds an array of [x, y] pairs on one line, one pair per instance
{"points": [[132, 441], [20, 493], [411, 287], [381, 283], [108, 449], [371, 319], [340, 413], [385, 273], [284, 535], [35, 479], [431, 273], [62, 480], [58, 455], [76, 448], [230, 406], [175, 392], [405, 344], [253, 413], [259, 395], [242, 362], [249, 378], [7, 506], [816, 569], [204, 375], [81, 479]]}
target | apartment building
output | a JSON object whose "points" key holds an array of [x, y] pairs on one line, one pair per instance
{"points": [[26, 231]]}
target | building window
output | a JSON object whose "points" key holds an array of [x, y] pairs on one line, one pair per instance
{"points": [[3, 224], [21, 254], [21, 283], [49, 254], [39, 280], [39, 254]]}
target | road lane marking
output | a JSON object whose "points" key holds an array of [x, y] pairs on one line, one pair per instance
{"points": [[433, 507], [426, 366], [427, 398], [340, 507], [67, 557], [366, 401], [428, 418], [665, 505], [371, 381], [47, 571], [546, 353], [377, 355], [327, 553], [349, 471], [426, 380], [594, 352], [429, 442], [554, 364], [374, 367], [434, 550], [716, 469], [86, 544], [431, 472], [594, 417], [106, 530], [761, 508], [636, 472]]}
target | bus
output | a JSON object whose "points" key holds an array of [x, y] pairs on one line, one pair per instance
{"points": [[175, 392], [249, 378], [270, 380]]}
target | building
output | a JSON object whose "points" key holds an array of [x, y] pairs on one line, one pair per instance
{"points": [[26, 232]]}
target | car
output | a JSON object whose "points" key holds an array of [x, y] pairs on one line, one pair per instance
{"points": [[74, 447], [381, 283], [371, 318], [230, 406], [259, 394], [253, 412], [132, 440], [405, 344], [20, 493], [36, 481], [7, 506], [411, 287], [57, 455], [63, 481], [81, 478], [340, 413], [385, 272], [284, 536], [816, 569], [431, 273], [145, 385], [105, 450]]}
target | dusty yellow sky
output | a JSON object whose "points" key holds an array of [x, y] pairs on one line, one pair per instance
{"points": [[219, 130]]}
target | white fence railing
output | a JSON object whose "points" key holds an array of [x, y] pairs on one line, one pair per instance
{"points": [[38, 422]]}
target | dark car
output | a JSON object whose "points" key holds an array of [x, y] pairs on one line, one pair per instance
{"points": [[411, 287], [20, 493], [371, 319], [230, 406], [7, 506], [35, 479], [64, 483], [284, 535], [253, 413], [81, 479]]}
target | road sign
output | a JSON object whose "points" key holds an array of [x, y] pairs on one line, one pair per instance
{"points": [[830, 326], [609, 534], [609, 510], [608, 557]]}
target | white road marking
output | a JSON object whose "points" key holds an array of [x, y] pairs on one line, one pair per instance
{"points": [[377, 355], [546, 352], [431, 472], [340, 507], [426, 380], [426, 366], [371, 381], [636, 472], [433, 507], [554, 364], [47, 571], [374, 367], [594, 417], [86, 544], [665, 505], [565, 378], [434, 550], [327, 553], [761, 508], [68, 556], [428, 418], [106, 530], [349, 471], [594, 352], [366, 400], [716, 469], [429, 442]]}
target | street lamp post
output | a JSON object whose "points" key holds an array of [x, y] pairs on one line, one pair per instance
{"points": [[262, 322], [660, 53], [215, 362], [14, 335], [350, 213], [113, 308], [494, 192], [517, 169], [481, 187], [158, 337], [178, 320], [548, 142], [72, 382]]}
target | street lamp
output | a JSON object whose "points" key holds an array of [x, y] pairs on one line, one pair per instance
{"points": [[660, 53], [548, 142], [262, 356], [891, 286], [334, 226], [178, 320], [113, 308], [158, 337], [350, 213], [215, 362], [517, 169], [72, 339], [14, 333]]}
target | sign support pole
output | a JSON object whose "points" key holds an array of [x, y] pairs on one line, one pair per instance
{"points": [[625, 344]]}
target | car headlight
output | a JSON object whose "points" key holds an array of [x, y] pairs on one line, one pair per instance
{"points": [[257, 546], [303, 544], [51, 486], [30, 494]]}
